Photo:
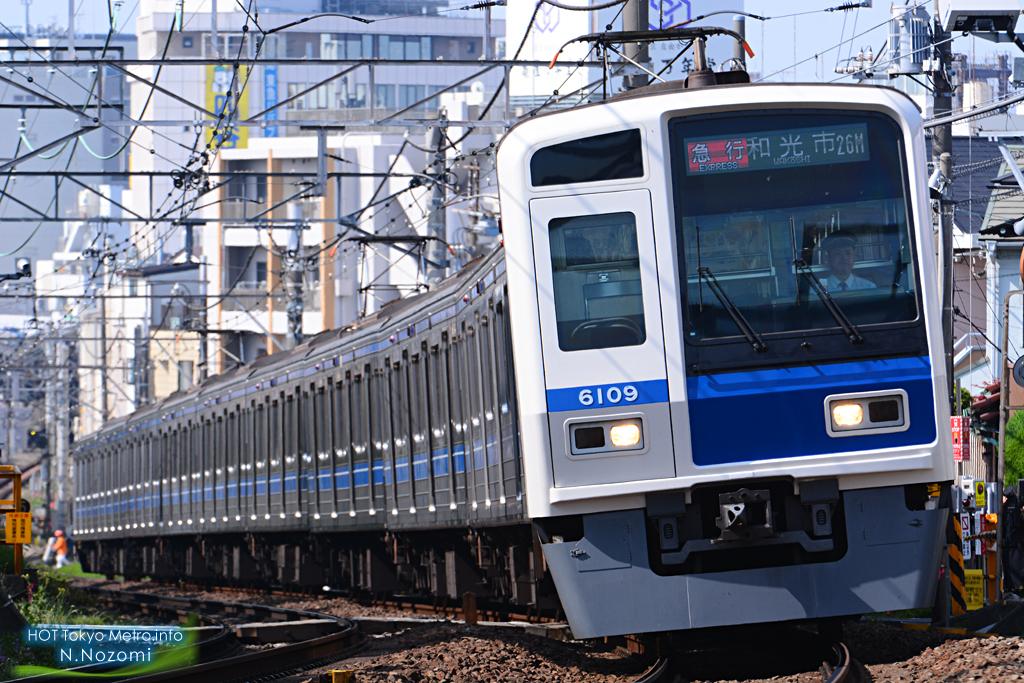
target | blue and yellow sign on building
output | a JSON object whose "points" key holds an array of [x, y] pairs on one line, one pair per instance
{"points": [[221, 84]]}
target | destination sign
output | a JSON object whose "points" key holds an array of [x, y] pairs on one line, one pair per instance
{"points": [[777, 149]]}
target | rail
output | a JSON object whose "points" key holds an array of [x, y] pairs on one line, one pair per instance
{"points": [[220, 666]]}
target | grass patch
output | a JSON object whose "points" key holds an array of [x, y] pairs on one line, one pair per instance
{"points": [[51, 601], [917, 613], [75, 570]]}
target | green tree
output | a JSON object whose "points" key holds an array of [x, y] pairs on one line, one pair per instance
{"points": [[1014, 448]]}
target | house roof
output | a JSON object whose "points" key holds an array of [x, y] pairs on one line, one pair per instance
{"points": [[976, 162]]}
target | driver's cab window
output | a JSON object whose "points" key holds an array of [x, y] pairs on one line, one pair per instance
{"points": [[595, 267]]}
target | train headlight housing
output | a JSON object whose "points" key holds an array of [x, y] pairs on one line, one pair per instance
{"points": [[625, 435], [606, 436], [847, 414], [869, 412]]}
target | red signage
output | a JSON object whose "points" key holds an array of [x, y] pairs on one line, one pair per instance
{"points": [[960, 428], [717, 155]]}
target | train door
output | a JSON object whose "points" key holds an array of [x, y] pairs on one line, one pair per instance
{"points": [[316, 491], [246, 458], [177, 470], [360, 443], [505, 408], [491, 415], [295, 429], [145, 480], [400, 424], [419, 427], [278, 441], [307, 447], [602, 338], [457, 419], [136, 488], [207, 468], [380, 438], [344, 489], [437, 405], [214, 507], [201, 436], [231, 465], [163, 474], [266, 433], [326, 450]]}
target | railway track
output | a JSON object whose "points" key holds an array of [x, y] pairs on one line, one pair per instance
{"points": [[680, 665], [220, 654]]}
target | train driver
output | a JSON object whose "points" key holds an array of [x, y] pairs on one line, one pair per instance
{"points": [[839, 255]]}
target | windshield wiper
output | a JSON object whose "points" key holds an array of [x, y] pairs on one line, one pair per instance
{"points": [[734, 312], [849, 328]]}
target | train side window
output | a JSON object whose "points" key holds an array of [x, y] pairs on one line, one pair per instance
{"points": [[612, 156], [595, 265]]}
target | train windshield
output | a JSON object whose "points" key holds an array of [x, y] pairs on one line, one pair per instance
{"points": [[793, 222]]}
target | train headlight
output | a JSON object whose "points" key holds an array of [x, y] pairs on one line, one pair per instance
{"points": [[610, 436], [869, 412], [847, 414], [625, 435]]}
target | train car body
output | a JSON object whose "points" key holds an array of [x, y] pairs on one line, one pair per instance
{"points": [[379, 458], [728, 354], [660, 383]]}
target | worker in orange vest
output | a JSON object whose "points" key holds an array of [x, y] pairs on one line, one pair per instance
{"points": [[60, 547]]}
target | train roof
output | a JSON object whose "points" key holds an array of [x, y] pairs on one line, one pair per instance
{"points": [[335, 342], [676, 87]]}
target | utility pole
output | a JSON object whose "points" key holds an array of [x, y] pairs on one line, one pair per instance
{"points": [[635, 18], [293, 278], [26, 3], [213, 29], [942, 154], [103, 331], [488, 52], [58, 441], [437, 225], [739, 55], [71, 30]]}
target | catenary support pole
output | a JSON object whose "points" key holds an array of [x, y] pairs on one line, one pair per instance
{"points": [[635, 18], [942, 154], [739, 25], [437, 224], [293, 280], [1004, 416]]}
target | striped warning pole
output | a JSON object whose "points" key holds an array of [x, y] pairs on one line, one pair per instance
{"points": [[957, 578]]}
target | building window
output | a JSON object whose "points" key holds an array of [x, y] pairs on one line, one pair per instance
{"points": [[403, 47], [133, 286], [186, 41], [384, 96], [293, 90], [409, 95], [470, 47], [261, 273], [351, 96]]}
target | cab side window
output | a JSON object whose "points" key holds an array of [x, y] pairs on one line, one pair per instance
{"points": [[596, 273]]}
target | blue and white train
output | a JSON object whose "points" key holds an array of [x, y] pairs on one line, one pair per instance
{"points": [[728, 354], [702, 379]]}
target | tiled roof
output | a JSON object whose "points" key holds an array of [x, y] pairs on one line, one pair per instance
{"points": [[968, 154]]}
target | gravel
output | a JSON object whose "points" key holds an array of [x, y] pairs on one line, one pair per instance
{"points": [[339, 607], [456, 653]]}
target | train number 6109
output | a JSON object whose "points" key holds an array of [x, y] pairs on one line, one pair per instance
{"points": [[610, 395]]}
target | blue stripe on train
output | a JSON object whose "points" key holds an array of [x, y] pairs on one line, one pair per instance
{"points": [[771, 414], [571, 398]]}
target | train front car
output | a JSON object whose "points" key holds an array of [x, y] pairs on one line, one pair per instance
{"points": [[728, 354]]}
